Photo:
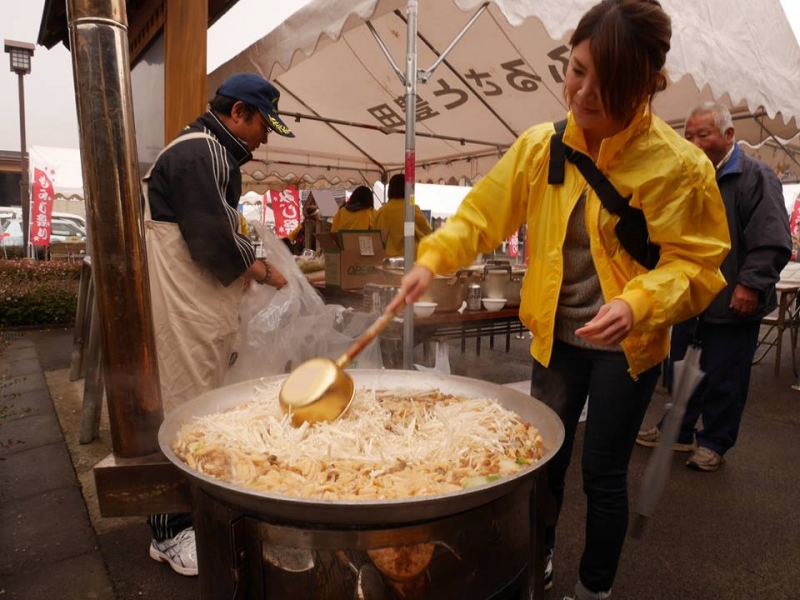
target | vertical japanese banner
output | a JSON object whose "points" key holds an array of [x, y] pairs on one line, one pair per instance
{"points": [[41, 206], [527, 249], [794, 228], [286, 208], [513, 245], [264, 203]]}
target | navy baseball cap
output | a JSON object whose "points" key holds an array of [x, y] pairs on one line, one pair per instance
{"points": [[259, 93]]}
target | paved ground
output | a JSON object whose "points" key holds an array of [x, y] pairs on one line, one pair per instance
{"points": [[727, 535]]}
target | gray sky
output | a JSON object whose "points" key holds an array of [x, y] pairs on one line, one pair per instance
{"points": [[49, 93]]}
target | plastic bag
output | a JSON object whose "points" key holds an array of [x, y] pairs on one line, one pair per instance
{"points": [[441, 362], [280, 329]]}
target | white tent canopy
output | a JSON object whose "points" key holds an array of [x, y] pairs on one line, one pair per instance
{"points": [[441, 200], [252, 198], [791, 194], [251, 207], [504, 75]]}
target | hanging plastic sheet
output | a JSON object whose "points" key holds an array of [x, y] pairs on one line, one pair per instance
{"points": [[279, 329]]}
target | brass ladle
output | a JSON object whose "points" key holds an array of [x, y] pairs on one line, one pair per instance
{"points": [[320, 389]]}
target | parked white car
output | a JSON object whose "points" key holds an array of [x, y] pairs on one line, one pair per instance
{"points": [[62, 231], [9, 213], [11, 233]]}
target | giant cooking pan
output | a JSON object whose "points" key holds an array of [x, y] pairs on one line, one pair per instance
{"points": [[362, 512]]}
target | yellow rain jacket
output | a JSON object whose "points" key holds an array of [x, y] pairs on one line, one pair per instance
{"points": [[668, 178], [361, 219], [391, 218]]}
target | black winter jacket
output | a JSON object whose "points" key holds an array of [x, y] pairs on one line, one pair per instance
{"points": [[760, 241], [197, 184]]}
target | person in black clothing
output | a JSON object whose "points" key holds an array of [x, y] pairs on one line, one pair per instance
{"points": [[728, 329], [199, 260]]}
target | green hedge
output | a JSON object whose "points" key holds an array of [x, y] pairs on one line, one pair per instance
{"points": [[34, 293], [15, 252]]}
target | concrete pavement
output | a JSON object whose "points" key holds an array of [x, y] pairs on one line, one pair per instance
{"points": [[726, 535], [53, 542], [48, 548]]}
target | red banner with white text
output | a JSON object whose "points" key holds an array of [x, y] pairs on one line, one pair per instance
{"points": [[513, 245], [41, 206], [286, 208], [794, 228]]}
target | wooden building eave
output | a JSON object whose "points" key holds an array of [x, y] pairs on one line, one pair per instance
{"points": [[143, 21]]}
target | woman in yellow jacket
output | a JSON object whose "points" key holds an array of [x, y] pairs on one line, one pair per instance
{"points": [[600, 320], [357, 213], [391, 218]]}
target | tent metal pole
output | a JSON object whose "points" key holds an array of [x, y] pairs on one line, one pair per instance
{"points": [[410, 174], [426, 74], [339, 133], [389, 130], [410, 80], [777, 141], [479, 97], [386, 52]]}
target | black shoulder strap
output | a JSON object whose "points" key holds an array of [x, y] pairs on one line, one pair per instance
{"points": [[555, 173], [631, 229], [607, 193]]}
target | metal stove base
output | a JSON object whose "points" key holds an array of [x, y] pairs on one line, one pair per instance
{"points": [[483, 554]]}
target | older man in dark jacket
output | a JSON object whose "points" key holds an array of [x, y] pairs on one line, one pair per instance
{"points": [[728, 329]]}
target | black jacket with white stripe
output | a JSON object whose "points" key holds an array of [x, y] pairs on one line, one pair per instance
{"points": [[197, 184]]}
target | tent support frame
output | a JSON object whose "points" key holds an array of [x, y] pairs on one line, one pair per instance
{"points": [[409, 79]]}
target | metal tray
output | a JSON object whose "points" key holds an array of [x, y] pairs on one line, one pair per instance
{"points": [[364, 512]]}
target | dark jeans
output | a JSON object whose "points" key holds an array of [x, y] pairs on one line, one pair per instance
{"points": [[726, 357], [617, 404], [163, 527]]}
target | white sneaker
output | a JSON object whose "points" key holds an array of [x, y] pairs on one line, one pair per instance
{"points": [[548, 572], [179, 552]]}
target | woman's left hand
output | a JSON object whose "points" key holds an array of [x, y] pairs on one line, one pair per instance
{"points": [[611, 324]]}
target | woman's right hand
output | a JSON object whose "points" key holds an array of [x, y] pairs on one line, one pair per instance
{"points": [[412, 286]]}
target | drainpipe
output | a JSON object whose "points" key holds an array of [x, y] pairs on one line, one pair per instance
{"points": [[98, 33]]}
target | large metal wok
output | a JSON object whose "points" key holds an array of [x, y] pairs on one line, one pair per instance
{"points": [[351, 512]]}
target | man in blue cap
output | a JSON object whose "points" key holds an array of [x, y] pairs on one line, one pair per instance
{"points": [[199, 259]]}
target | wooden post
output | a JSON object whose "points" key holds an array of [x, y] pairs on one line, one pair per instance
{"points": [[185, 64]]}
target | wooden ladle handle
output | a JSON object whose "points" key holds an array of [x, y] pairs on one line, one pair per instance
{"points": [[370, 334]]}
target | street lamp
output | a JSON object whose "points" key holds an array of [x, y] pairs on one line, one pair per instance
{"points": [[21, 54]]}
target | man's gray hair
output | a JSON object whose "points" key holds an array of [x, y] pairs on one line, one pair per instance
{"points": [[719, 112]]}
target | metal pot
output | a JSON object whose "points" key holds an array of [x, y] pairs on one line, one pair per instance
{"points": [[447, 291], [500, 281], [367, 512]]}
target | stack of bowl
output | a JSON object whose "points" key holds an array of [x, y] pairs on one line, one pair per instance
{"points": [[424, 309], [493, 304]]}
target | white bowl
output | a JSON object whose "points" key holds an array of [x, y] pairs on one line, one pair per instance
{"points": [[493, 304], [424, 309]]}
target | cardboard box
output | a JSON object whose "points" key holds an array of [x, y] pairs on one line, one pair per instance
{"points": [[352, 258]]}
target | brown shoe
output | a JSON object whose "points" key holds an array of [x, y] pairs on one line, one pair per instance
{"points": [[705, 459], [649, 438]]}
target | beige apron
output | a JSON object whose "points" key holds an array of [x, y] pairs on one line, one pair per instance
{"points": [[195, 317]]}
